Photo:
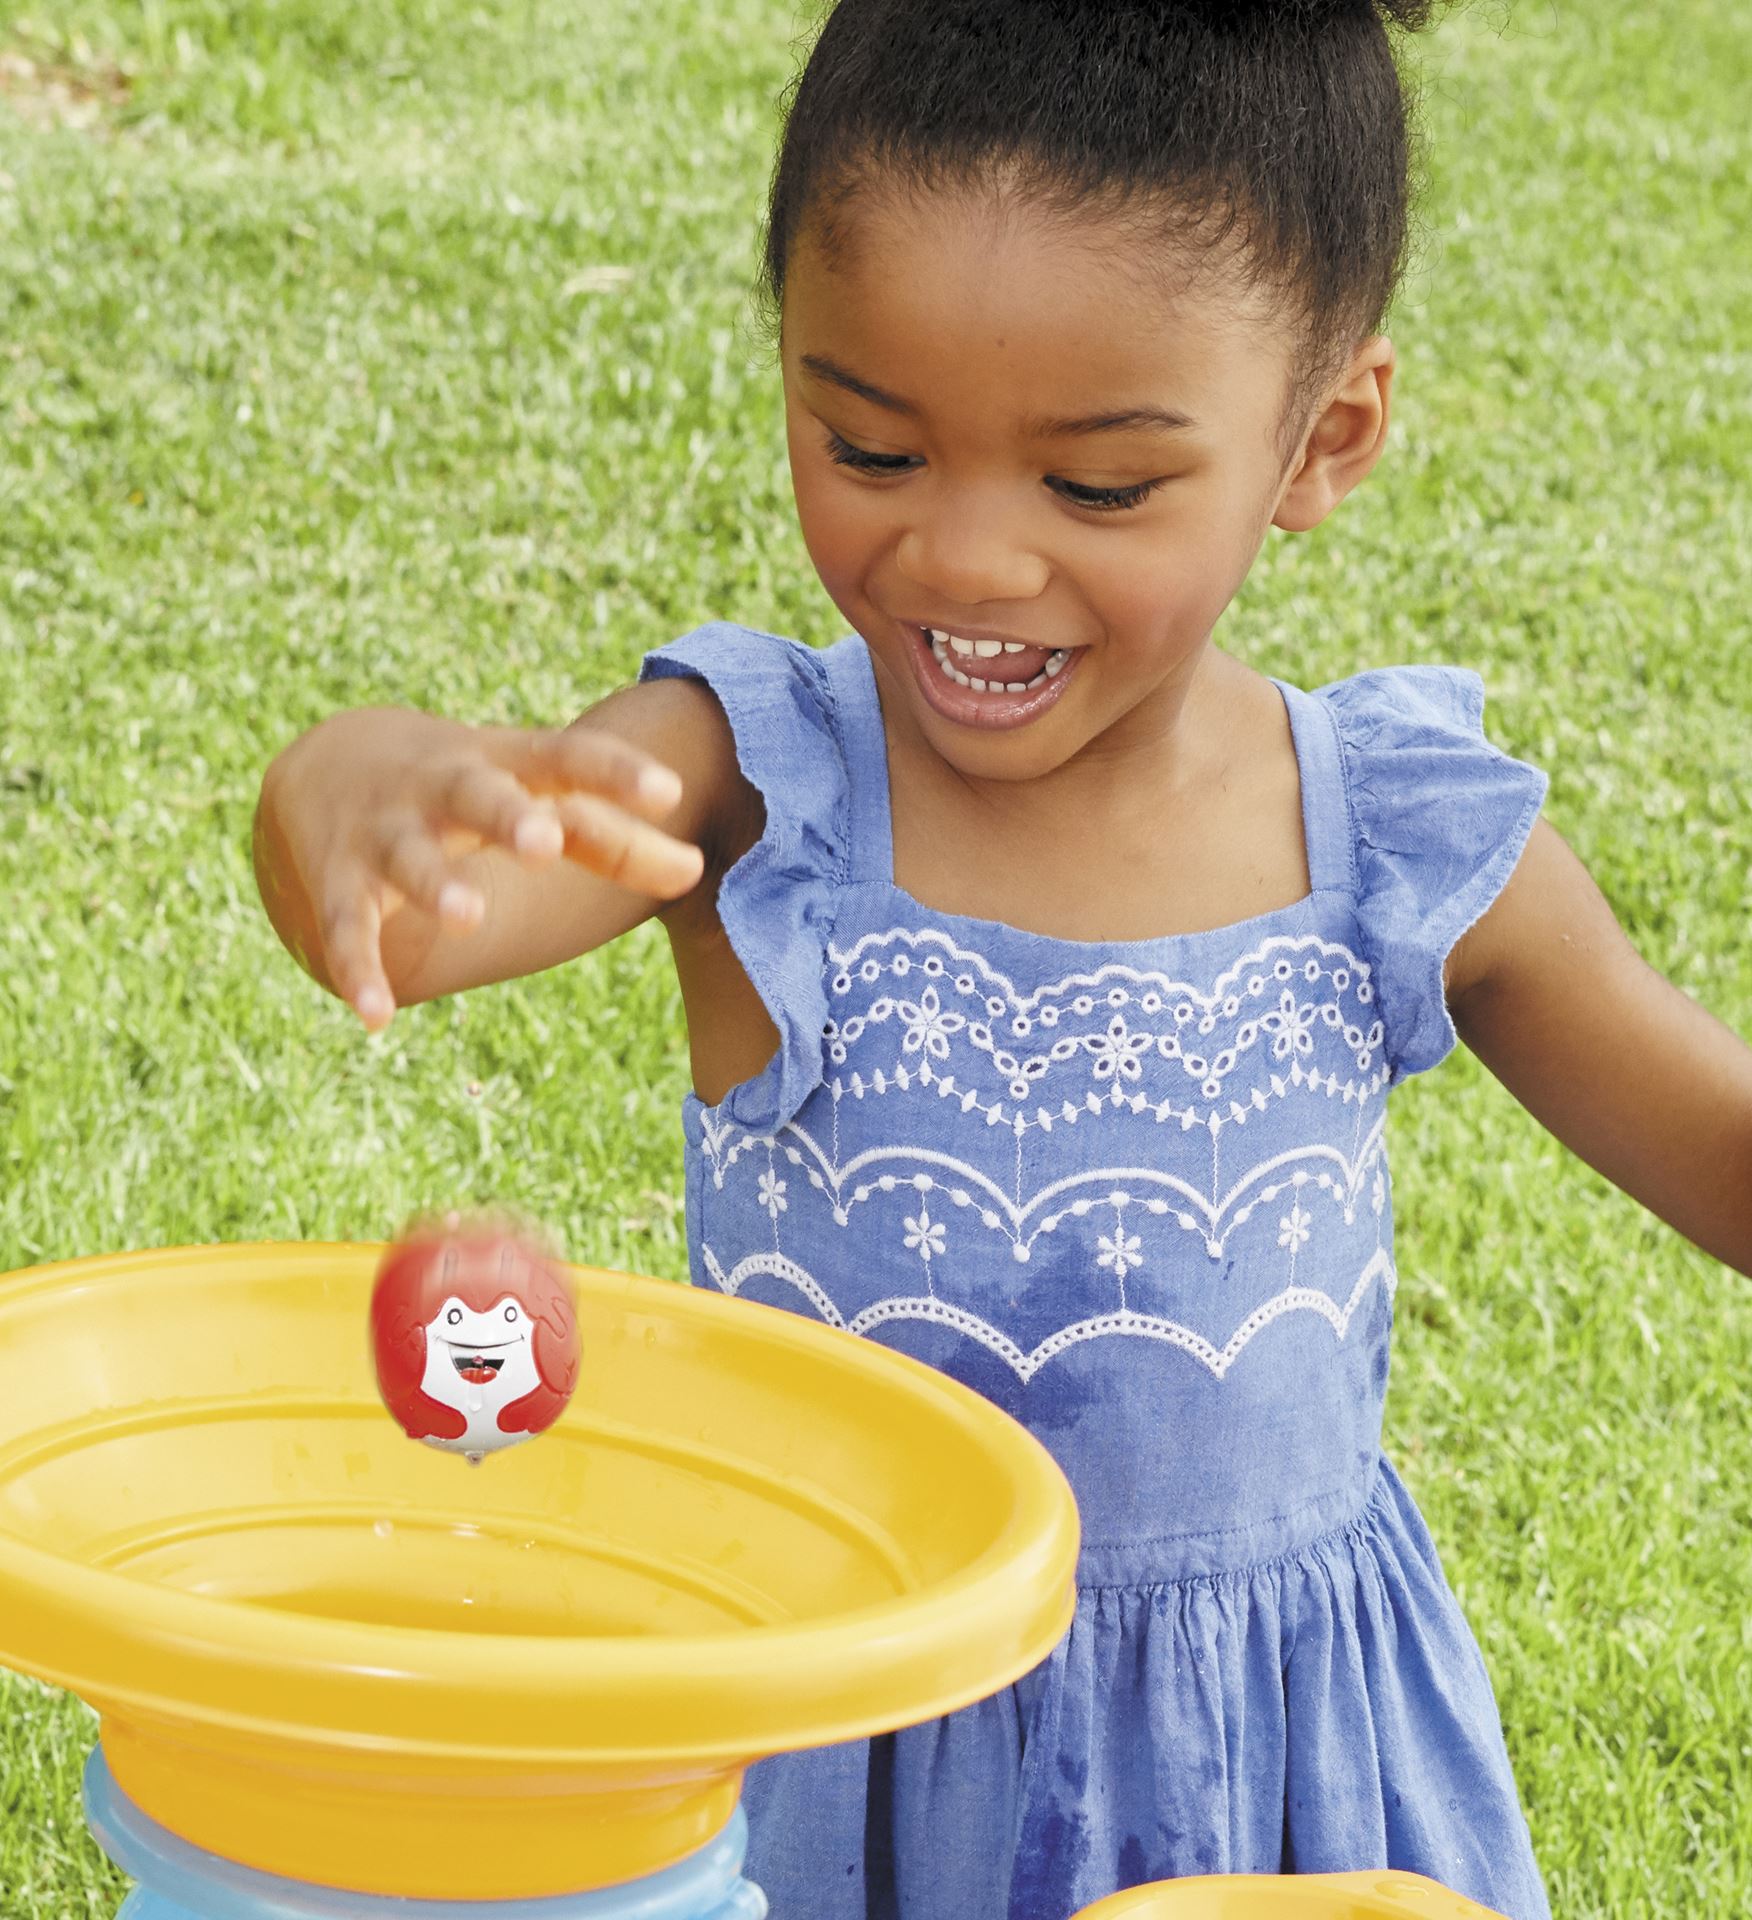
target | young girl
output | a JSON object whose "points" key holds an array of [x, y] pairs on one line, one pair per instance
{"points": [[1046, 969]]}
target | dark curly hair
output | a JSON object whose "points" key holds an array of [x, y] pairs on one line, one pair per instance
{"points": [[1282, 126]]}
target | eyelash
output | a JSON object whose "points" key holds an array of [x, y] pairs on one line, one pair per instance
{"points": [[1097, 499]]}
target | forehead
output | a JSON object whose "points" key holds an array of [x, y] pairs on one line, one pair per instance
{"points": [[985, 304]]}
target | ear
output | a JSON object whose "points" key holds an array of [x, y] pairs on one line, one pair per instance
{"points": [[1343, 442]]}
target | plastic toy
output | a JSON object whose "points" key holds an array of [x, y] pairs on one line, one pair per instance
{"points": [[337, 1680], [474, 1337], [1315, 1896], [336, 1677]]}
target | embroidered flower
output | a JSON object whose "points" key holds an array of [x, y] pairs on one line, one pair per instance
{"points": [[925, 1234], [1120, 1251], [1295, 1228], [772, 1193], [928, 1024], [1116, 1051], [1291, 1023], [1378, 1198]]}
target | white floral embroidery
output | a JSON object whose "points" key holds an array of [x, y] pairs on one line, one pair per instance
{"points": [[1291, 1024], [1097, 1326], [1116, 1051], [941, 951], [1120, 1251], [772, 1193], [928, 1025], [1020, 1120], [1153, 1182], [1171, 1016], [924, 1235], [1167, 1195]]}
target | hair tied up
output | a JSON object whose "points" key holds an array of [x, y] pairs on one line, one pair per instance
{"points": [[1411, 15]]}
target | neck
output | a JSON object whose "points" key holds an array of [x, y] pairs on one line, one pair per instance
{"points": [[1169, 745]]}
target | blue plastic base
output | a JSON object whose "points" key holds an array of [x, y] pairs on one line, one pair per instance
{"points": [[181, 1882]]}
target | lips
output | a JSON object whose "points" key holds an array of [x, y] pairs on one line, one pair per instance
{"points": [[999, 709]]}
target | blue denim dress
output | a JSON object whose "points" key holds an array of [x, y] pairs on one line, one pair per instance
{"points": [[1135, 1192]]}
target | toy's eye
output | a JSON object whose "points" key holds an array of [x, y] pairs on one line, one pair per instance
{"points": [[454, 1316], [510, 1313]]}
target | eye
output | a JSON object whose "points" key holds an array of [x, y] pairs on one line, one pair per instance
{"points": [[1097, 499], [511, 1313], [846, 455], [454, 1316], [1108, 499]]}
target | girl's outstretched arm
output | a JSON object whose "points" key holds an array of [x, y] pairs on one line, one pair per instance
{"points": [[402, 856], [1630, 1073]]}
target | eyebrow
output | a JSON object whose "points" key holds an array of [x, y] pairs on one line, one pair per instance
{"points": [[1122, 420]]}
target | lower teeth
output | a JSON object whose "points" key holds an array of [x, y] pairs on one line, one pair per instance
{"points": [[1054, 663]]}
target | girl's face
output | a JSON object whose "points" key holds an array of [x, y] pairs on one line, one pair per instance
{"points": [[933, 383]]}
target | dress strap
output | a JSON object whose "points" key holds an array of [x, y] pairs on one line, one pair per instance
{"points": [[1325, 815], [864, 746]]}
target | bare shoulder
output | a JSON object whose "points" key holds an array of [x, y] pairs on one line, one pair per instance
{"points": [[679, 721]]}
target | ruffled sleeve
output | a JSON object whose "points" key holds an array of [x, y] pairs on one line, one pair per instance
{"points": [[777, 902], [1439, 817]]}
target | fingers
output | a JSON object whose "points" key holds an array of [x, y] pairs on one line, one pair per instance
{"points": [[627, 851], [352, 923], [414, 863], [494, 803], [578, 792], [563, 759], [605, 792]]}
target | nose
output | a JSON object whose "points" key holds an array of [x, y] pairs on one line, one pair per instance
{"points": [[966, 558]]}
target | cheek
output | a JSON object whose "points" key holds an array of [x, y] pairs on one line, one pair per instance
{"points": [[839, 531], [1168, 583], [1204, 554]]}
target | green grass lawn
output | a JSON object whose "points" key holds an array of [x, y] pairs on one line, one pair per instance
{"points": [[401, 352]]}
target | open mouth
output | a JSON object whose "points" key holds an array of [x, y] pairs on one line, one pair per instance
{"points": [[478, 1368], [990, 666], [1008, 688]]}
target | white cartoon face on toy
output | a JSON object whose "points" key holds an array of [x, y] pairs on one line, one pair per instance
{"points": [[473, 1337], [479, 1364]]}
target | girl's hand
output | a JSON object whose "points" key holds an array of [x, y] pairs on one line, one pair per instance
{"points": [[381, 829]]}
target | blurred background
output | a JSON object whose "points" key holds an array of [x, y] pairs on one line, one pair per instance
{"points": [[403, 352]]}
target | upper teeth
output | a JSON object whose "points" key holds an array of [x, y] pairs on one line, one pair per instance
{"points": [[943, 644], [983, 649]]}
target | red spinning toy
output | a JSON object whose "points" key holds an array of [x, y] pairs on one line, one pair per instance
{"points": [[474, 1336]]}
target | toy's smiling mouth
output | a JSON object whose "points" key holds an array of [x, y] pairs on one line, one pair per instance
{"points": [[479, 1366]]}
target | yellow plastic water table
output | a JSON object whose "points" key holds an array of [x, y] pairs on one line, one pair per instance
{"points": [[1315, 1896], [327, 1657]]}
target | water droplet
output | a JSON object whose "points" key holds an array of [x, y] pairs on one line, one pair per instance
{"points": [[474, 1459], [383, 1528]]}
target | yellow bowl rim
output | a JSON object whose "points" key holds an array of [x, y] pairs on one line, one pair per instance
{"points": [[750, 1691]]}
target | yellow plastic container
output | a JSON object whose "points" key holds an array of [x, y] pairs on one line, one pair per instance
{"points": [[1314, 1896], [333, 1654]]}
